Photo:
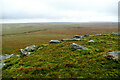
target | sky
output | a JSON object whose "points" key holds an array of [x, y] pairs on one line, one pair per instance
{"points": [[23, 11]]}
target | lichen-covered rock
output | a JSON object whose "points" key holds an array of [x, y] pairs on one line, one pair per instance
{"points": [[54, 41], [76, 46]]}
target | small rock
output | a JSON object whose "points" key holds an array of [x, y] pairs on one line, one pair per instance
{"points": [[76, 46], [54, 41], [90, 41]]}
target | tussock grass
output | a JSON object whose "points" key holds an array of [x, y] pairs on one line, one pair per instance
{"points": [[61, 61]]}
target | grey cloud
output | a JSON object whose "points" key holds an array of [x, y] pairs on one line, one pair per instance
{"points": [[59, 9]]}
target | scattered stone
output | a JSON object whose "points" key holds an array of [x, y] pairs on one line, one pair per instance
{"points": [[98, 34], [78, 39], [30, 48], [54, 41], [24, 53], [116, 33], [77, 36], [73, 39], [67, 40], [91, 41], [39, 48], [5, 57], [76, 46], [113, 55], [18, 55], [86, 35], [8, 56], [91, 35], [28, 53]]}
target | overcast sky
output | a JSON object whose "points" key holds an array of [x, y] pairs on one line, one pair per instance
{"points": [[58, 10]]}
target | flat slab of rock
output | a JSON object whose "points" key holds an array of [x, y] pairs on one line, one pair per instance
{"points": [[54, 41], [73, 39], [113, 54], [76, 46]]}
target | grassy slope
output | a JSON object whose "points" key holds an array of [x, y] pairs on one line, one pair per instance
{"points": [[59, 60]]}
